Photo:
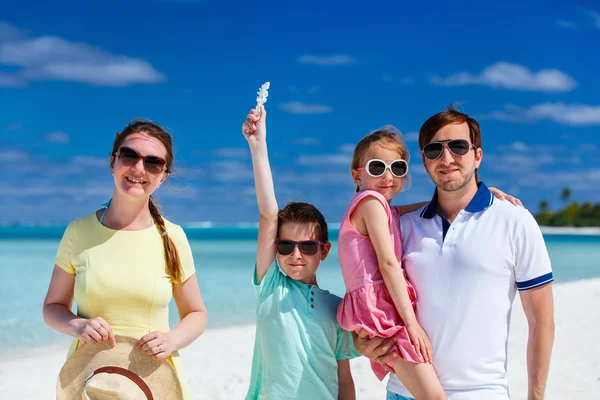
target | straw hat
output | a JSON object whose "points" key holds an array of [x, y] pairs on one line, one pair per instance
{"points": [[98, 372]]}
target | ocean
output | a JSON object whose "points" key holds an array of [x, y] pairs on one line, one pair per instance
{"points": [[224, 258]]}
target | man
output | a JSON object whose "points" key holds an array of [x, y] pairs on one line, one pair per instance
{"points": [[467, 254]]}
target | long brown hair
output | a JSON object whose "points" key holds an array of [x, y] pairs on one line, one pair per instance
{"points": [[157, 132]]}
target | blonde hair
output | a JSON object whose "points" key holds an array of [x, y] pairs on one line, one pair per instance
{"points": [[387, 136]]}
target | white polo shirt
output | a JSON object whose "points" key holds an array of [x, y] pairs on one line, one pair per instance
{"points": [[466, 275]]}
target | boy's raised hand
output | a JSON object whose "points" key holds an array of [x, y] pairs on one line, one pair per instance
{"points": [[255, 126]]}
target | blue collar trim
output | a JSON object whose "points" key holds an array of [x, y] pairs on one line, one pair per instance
{"points": [[482, 200]]}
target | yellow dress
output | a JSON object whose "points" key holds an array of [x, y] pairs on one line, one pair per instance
{"points": [[121, 277]]}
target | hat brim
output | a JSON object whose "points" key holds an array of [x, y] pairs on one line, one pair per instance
{"points": [[159, 375]]}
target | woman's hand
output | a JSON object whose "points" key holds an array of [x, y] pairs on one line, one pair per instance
{"points": [[95, 330], [255, 126], [157, 344], [503, 196], [421, 342]]}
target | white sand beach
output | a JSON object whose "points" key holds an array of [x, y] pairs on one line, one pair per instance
{"points": [[218, 364]]}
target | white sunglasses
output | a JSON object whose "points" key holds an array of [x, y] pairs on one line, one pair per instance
{"points": [[376, 167]]}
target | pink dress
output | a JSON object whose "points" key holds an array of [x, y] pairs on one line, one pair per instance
{"points": [[367, 303]]}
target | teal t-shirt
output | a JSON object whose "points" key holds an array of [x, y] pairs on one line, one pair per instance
{"points": [[298, 340]]}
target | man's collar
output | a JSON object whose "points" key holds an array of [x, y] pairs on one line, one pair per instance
{"points": [[482, 200]]}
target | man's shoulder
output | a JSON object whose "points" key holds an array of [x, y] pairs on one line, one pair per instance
{"points": [[413, 215], [504, 210]]}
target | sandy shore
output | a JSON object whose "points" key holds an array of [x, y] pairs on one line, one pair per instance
{"points": [[218, 364]]}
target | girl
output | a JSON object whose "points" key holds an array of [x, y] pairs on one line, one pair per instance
{"points": [[379, 298], [124, 262]]}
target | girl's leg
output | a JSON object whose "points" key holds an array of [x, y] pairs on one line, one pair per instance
{"points": [[420, 379]]}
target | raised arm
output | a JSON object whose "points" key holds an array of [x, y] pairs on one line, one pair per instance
{"points": [[255, 132], [375, 218]]}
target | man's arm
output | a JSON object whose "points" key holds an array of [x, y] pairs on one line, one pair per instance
{"points": [[346, 389], [538, 304], [255, 131]]}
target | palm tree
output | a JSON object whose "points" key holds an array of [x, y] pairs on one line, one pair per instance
{"points": [[565, 195], [544, 206]]}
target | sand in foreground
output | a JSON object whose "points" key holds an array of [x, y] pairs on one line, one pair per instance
{"points": [[217, 365]]}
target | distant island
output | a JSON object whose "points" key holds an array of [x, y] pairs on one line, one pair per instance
{"points": [[573, 214]]}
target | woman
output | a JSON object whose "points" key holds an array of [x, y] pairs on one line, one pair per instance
{"points": [[124, 262]]}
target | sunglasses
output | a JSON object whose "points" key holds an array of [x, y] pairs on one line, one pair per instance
{"points": [[458, 147], [129, 158], [377, 168], [307, 247]]}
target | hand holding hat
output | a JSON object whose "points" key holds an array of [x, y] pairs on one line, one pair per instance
{"points": [[95, 330], [157, 344], [100, 371]]}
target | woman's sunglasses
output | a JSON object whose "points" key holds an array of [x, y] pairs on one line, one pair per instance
{"points": [[129, 158], [307, 247], [377, 168], [458, 147]]}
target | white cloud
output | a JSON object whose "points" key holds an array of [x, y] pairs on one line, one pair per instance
{"points": [[53, 58], [297, 107], [512, 76], [232, 152], [567, 24], [307, 141], [321, 159], [411, 137], [347, 148], [567, 114], [15, 156], [57, 137], [13, 126], [596, 17], [327, 60]]}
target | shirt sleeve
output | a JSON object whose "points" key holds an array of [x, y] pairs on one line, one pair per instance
{"points": [[65, 249], [344, 346], [532, 262], [272, 279], [186, 257]]}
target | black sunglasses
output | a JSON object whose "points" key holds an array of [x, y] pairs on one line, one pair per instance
{"points": [[308, 247], [129, 157], [458, 147]]}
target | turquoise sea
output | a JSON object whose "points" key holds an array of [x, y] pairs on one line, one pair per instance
{"points": [[224, 258]]}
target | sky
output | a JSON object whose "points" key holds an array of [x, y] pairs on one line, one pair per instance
{"points": [[74, 74]]}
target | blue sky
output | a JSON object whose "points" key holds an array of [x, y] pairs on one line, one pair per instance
{"points": [[73, 75]]}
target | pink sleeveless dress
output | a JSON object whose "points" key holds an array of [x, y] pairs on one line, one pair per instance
{"points": [[367, 303]]}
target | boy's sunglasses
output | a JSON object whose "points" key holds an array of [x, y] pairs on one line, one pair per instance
{"points": [[458, 147], [377, 168], [307, 247], [129, 158]]}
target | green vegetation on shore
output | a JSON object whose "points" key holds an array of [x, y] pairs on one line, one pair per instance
{"points": [[573, 214]]}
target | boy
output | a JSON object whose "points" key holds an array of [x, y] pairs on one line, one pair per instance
{"points": [[300, 350]]}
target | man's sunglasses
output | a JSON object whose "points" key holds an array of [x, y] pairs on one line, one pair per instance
{"points": [[307, 247], [458, 147], [129, 158], [377, 168]]}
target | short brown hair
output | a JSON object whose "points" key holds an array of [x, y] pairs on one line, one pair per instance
{"points": [[387, 136], [303, 213], [449, 116]]}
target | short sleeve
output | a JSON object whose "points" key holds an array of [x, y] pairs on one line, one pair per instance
{"points": [[185, 254], [272, 279], [65, 249], [532, 262], [344, 346]]}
